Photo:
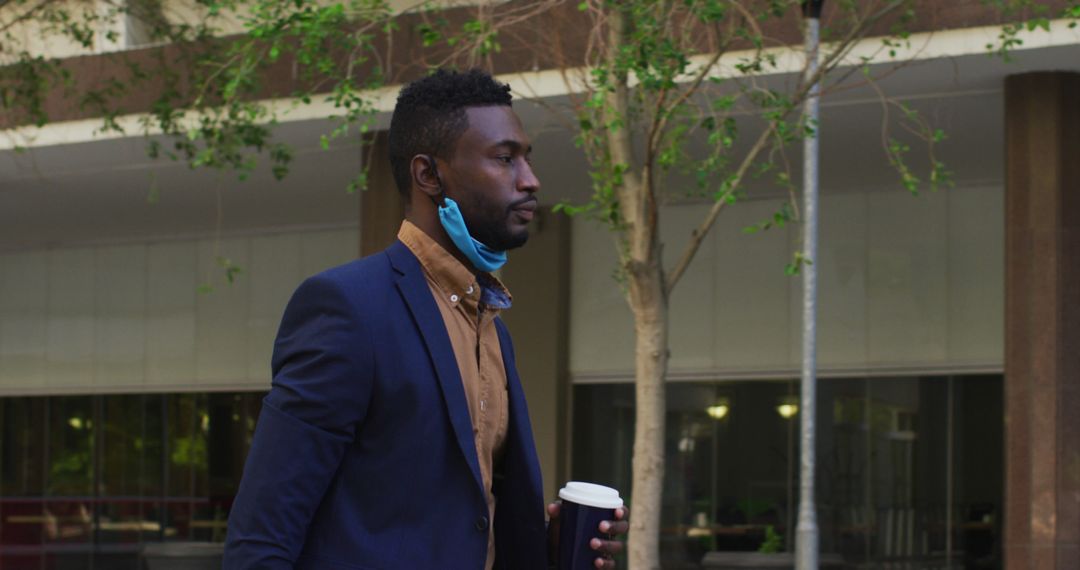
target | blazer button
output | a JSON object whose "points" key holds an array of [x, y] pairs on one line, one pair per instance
{"points": [[482, 523]]}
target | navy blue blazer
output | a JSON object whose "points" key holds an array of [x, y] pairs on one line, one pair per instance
{"points": [[363, 456]]}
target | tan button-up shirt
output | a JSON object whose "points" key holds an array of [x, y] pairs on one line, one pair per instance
{"points": [[469, 314]]}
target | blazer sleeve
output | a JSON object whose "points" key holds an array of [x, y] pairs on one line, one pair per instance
{"points": [[322, 380]]}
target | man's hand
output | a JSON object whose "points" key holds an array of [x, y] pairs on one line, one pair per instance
{"points": [[605, 549]]}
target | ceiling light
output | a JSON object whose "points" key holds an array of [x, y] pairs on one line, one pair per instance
{"points": [[719, 410]]}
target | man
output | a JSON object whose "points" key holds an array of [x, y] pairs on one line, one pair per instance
{"points": [[395, 434]]}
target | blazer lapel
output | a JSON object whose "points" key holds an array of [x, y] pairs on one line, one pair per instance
{"points": [[521, 436], [417, 294]]}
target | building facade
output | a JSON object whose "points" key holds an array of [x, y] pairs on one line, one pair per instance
{"points": [[139, 300]]}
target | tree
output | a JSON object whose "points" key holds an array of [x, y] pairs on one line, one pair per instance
{"points": [[655, 81], [203, 78], [647, 87]]}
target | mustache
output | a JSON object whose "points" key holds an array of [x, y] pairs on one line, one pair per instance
{"points": [[518, 203]]}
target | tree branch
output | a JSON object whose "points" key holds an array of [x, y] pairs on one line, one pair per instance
{"points": [[699, 233], [831, 61], [25, 16]]}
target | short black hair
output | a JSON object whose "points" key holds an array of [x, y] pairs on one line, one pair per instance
{"points": [[430, 116]]}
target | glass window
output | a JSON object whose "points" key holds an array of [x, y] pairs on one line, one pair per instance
{"points": [[231, 423], [68, 523], [85, 480], [978, 468], [909, 469], [188, 425], [22, 453], [129, 501], [22, 479]]}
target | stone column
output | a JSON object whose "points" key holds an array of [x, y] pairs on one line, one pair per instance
{"points": [[1042, 321]]}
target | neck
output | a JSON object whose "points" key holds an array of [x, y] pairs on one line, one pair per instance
{"points": [[428, 222]]}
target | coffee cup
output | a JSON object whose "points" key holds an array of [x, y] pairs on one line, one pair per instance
{"points": [[584, 506]]}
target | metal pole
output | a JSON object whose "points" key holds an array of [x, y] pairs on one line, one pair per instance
{"points": [[949, 476], [807, 537]]}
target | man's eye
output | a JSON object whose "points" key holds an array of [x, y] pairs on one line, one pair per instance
{"points": [[505, 159]]}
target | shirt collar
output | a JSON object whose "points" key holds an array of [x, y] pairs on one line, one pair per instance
{"points": [[449, 274]]}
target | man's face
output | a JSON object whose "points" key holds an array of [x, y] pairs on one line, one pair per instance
{"points": [[491, 179]]}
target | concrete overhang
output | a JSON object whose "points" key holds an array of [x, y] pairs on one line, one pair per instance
{"points": [[70, 185]]}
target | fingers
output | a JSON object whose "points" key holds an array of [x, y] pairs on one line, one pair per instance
{"points": [[608, 548], [554, 507], [614, 527]]}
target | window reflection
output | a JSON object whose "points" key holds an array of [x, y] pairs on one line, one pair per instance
{"points": [[22, 480], [130, 505], [67, 518], [85, 480], [909, 469]]}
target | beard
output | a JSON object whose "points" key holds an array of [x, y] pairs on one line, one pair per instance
{"points": [[488, 223]]}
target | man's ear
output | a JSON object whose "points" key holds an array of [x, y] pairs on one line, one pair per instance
{"points": [[425, 178]]}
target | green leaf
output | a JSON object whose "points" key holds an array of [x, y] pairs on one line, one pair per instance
{"points": [[1038, 23], [359, 182]]}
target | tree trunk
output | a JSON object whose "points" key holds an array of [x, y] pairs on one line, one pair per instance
{"points": [[647, 297], [639, 255], [649, 304]]}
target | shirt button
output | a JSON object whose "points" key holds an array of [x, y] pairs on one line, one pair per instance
{"points": [[469, 290], [454, 298], [481, 523]]}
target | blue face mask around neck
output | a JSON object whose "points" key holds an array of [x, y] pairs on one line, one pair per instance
{"points": [[481, 256]]}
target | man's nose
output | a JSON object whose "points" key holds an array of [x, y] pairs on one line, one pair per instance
{"points": [[528, 182]]}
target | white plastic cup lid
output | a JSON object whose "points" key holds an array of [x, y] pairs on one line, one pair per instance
{"points": [[591, 495]]}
